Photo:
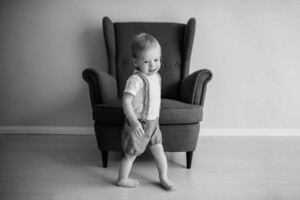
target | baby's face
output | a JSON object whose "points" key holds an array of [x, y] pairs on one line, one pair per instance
{"points": [[148, 60]]}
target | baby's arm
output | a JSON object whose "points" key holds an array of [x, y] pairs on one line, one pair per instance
{"points": [[135, 125]]}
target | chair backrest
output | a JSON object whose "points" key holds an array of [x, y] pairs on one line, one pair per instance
{"points": [[175, 39]]}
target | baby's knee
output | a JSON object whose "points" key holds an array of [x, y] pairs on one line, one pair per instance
{"points": [[129, 157], [157, 150]]}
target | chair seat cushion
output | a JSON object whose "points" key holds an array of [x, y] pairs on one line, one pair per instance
{"points": [[172, 112]]}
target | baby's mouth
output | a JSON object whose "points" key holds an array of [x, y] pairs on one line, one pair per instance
{"points": [[152, 70]]}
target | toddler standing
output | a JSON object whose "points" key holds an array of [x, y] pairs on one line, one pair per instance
{"points": [[141, 105]]}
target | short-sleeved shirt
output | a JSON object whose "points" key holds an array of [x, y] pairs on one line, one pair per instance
{"points": [[135, 86]]}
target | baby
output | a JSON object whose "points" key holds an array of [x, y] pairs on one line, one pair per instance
{"points": [[141, 105]]}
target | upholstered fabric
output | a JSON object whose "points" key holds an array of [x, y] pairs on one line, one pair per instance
{"points": [[193, 87], [182, 94], [102, 86], [176, 112], [176, 138], [172, 38], [172, 112], [180, 137]]}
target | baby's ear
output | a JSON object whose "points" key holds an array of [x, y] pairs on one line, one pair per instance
{"points": [[135, 63]]}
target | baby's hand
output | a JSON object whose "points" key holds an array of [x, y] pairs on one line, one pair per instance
{"points": [[137, 129]]}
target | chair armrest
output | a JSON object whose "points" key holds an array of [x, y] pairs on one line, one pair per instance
{"points": [[193, 87], [102, 86]]}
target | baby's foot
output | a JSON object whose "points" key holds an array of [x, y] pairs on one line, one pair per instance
{"points": [[128, 183], [168, 185]]}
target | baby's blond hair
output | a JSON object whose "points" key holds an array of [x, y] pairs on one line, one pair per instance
{"points": [[142, 42]]}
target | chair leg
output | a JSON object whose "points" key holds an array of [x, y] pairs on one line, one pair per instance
{"points": [[104, 158], [189, 157]]}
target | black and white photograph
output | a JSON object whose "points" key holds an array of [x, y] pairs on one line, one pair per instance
{"points": [[146, 100]]}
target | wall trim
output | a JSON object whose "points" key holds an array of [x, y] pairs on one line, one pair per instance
{"points": [[249, 132], [90, 131], [46, 130]]}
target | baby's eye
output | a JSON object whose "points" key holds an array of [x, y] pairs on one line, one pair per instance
{"points": [[157, 60], [145, 61]]}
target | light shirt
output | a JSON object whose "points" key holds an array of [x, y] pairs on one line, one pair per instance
{"points": [[135, 86]]}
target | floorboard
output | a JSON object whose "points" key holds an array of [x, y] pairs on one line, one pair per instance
{"points": [[63, 167]]}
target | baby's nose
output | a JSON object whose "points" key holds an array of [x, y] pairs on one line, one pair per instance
{"points": [[152, 63]]}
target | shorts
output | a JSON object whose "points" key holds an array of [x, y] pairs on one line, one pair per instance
{"points": [[135, 145]]}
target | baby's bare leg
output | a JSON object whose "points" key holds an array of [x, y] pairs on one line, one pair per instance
{"points": [[162, 165], [125, 167]]}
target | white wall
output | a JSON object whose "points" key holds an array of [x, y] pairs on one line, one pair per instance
{"points": [[252, 47]]}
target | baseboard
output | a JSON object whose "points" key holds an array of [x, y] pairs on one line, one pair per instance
{"points": [[90, 131], [46, 130], [250, 132]]}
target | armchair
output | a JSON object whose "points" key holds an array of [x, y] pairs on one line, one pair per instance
{"points": [[182, 94]]}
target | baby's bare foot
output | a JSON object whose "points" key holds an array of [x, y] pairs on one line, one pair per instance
{"points": [[168, 185], [128, 183]]}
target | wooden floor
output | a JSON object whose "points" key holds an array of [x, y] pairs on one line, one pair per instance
{"points": [[54, 167]]}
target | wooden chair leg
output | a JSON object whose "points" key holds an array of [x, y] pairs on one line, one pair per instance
{"points": [[104, 158], [189, 157]]}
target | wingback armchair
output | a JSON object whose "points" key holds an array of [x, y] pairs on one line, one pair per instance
{"points": [[182, 94]]}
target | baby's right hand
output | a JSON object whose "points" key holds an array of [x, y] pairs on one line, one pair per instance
{"points": [[137, 129]]}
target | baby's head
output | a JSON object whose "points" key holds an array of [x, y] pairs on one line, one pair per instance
{"points": [[143, 42], [146, 53]]}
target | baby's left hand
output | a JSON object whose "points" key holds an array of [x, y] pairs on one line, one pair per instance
{"points": [[137, 129]]}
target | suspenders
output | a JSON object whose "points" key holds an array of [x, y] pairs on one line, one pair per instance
{"points": [[146, 105]]}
